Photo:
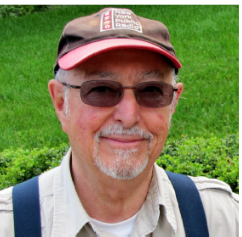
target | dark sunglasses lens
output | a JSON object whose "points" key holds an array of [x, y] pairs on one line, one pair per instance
{"points": [[101, 93], [154, 94]]}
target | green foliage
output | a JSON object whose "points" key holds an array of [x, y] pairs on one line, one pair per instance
{"points": [[20, 10], [19, 165], [213, 158]]}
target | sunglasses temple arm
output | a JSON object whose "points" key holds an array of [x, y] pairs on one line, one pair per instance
{"points": [[70, 86]]}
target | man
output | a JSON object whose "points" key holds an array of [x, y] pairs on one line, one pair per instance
{"points": [[114, 94]]}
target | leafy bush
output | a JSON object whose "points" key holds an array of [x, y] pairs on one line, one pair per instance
{"points": [[20, 165], [20, 10], [213, 158]]}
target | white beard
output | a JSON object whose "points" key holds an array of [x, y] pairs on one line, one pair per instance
{"points": [[124, 165]]}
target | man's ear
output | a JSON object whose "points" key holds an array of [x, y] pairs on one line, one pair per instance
{"points": [[177, 96], [57, 96]]}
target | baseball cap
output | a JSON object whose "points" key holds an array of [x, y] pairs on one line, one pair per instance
{"points": [[108, 29]]}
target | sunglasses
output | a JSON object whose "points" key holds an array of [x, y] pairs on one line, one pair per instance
{"points": [[104, 93]]}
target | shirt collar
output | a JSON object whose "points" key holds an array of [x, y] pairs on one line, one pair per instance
{"points": [[157, 196], [164, 198], [70, 216]]}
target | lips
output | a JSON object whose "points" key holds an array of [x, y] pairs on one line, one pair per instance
{"points": [[123, 140], [116, 135]]}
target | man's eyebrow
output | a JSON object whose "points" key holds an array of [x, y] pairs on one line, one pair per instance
{"points": [[101, 74], [152, 74]]}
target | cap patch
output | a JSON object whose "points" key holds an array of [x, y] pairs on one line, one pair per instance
{"points": [[120, 19]]}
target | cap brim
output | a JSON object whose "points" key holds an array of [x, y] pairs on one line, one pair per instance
{"points": [[82, 53]]}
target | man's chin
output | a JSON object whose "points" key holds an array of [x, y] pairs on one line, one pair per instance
{"points": [[122, 171], [124, 164]]}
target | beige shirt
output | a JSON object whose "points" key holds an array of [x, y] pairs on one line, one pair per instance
{"points": [[62, 213]]}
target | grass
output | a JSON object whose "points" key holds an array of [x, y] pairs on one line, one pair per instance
{"points": [[206, 39]]}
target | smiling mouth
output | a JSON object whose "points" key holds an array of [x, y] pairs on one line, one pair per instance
{"points": [[125, 141], [116, 136]]}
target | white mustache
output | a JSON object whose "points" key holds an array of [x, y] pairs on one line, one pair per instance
{"points": [[117, 129]]}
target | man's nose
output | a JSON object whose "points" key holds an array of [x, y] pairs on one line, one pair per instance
{"points": [[127, 111]]}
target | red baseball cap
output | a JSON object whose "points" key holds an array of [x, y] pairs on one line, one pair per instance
{"points": [[111, 28]]}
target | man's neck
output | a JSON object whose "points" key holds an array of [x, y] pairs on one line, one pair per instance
{"points": [[107, 199]]}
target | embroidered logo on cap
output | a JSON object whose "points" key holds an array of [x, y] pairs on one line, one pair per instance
{"points": [[120, 19]]}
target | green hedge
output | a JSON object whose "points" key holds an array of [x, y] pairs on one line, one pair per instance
{"points": [[20, 10], [19, 165], [213, 158]]}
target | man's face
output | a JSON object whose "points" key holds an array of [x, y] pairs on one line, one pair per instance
{"points": [[125, 139]]}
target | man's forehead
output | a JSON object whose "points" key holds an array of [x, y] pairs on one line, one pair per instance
{"points": [[118, 64]]}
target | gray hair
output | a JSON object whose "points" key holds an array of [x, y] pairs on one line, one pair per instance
{"points": [[62, 76]]}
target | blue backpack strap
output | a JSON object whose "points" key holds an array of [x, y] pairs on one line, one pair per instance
{"points": [[26, 209], [190, 204]]}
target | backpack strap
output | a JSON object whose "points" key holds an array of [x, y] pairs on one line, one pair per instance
{"points": [[190, 204], [26, 209]]}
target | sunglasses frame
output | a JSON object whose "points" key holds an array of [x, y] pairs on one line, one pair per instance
{"points": [[123, 87]]}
